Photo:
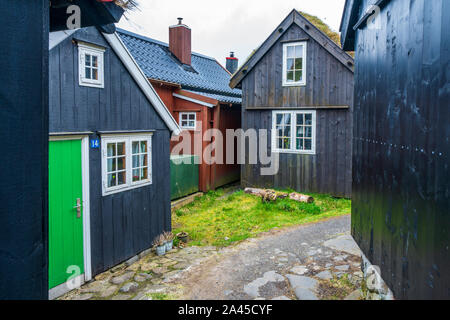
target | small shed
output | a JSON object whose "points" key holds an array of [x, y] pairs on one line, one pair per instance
{"points": [[298, 85], [109, 156], [401, 173], [195, 89]]}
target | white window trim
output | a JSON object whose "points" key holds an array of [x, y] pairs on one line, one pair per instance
{"points": [[293, 132], [188, 114], [99, 53], [129, 185], [298, 83]]}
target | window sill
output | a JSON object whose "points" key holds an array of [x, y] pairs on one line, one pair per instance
{"points": [[311, 153], [127, 188], [297, 84]]}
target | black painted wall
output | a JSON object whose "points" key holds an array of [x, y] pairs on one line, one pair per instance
{"points": [[122, 224], [401, 179], [23, 132], [329, 83]]}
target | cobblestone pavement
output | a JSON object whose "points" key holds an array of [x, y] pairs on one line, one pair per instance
{"points": [[316, 261], [310, 262], [144, 277]]}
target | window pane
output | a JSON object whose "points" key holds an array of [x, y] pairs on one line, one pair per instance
{"points": [[299, 132], [308, 132], [95, 61], [121, 163], [280, 132], [87, 73], [192, 117], [308, 144], [121, 178], [286, 143], [94, 74], [280, 143], [298, 75], [121, 149], [144, 174], [111, 165], [111, 147], [299, 63], [135, 175], [287, 119], [192, 124], [290, 76], [290, 52], [112, 180], [184, 116], [144, 147], [287, 131], [279, 118], [184, 123], [88, 60], [290, 64], [135, 147], [300, 144], [144, 160], [136, 162], [299, 51], [300, 119], [308, 119]]}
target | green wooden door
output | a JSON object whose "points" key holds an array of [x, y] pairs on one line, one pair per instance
{"points": [[65, 223]]}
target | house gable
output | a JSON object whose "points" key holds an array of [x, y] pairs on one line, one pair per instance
{"points": [[329, 83], [74, 108], [294, 18]]}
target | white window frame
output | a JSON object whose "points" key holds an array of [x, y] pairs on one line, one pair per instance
{"points": [[293, 132], [188, 114], [293, 83], [93, 51], [129, 185]]}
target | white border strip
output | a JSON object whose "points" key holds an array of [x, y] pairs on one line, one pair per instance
{"points": [[209, 105]]}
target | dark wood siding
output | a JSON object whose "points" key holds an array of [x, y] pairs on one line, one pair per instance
{"points": [[328, 83], [401, 186], [122, 224]]}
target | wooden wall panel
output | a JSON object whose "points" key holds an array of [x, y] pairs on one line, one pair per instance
{"points": [[122, 224]]}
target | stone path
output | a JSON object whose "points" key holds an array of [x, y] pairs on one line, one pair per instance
{"points": [[311, 262], [144, 277], [316, 261]]}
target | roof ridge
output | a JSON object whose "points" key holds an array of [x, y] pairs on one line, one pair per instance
{"points": [[145, 38]]}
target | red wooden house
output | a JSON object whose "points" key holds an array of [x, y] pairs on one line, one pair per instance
{"points": [[195, 89]]}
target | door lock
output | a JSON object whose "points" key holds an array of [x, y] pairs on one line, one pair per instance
{"points": [[78, 207]]}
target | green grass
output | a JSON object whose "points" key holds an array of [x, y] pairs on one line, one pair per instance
{"points": [[220, 222]]}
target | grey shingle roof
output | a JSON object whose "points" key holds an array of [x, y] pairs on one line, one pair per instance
{"points": [[208, 77]]}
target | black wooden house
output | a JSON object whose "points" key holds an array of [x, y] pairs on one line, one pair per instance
{"points": [[109, 151], [401, 175], [298, 85]]}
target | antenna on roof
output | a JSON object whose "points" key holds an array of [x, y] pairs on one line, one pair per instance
{"points": [[180, 20]]}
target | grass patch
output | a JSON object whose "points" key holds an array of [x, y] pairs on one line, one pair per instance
{"points": [[220, 222]]}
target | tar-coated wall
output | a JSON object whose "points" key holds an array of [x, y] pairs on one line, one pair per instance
{"points": [[328, 83], [401, 177], [23, 132], [125, 223]]}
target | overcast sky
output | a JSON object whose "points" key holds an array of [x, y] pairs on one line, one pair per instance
{"points": [[219, 27]]}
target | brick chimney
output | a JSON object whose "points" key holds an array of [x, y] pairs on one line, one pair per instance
{"points": [[232, 63], [180, 42]]}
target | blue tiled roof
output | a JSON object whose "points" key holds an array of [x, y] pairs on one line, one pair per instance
{"points": [[155, 59]]}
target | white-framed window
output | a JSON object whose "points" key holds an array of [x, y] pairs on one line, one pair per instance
{"points": [[294, 64], [294, 132], [188, 120], [91, 66], [126, 162]]}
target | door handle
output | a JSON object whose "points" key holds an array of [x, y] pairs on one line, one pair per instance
{"points": [[78, 207]]}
